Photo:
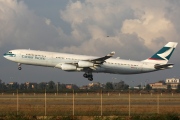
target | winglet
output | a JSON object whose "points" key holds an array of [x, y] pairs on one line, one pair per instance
{"points": [[111, 54]]}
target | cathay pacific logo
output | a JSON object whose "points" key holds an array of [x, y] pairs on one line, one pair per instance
{"points": [[163, 54], [166, 54]]}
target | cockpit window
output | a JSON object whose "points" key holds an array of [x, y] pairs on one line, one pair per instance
{"points": [[10, 54]]}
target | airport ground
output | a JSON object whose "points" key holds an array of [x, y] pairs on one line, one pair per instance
{"points": [[89, 104]]}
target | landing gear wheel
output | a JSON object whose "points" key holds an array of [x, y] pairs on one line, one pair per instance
{"points": [[19, 68], [85, 75], [90, 78], [88, 75]]}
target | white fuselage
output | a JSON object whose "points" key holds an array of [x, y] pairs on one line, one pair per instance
{"points": [[54, 59]]}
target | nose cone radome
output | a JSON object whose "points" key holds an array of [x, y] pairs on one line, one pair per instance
{"points": [[5, 55]]}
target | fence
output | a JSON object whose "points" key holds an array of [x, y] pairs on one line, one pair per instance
{"points": [[88, 104]]}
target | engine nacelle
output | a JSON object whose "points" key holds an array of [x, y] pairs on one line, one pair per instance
{"points": [[68, 67], [85, 64]]}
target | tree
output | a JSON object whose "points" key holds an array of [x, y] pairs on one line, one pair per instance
{"points": [[109, 86], [61, 86], [42, 85], [125, 87], [51, 85], [2, 86], [169, 87], [148, 87], [178, 88], [139, 86]]}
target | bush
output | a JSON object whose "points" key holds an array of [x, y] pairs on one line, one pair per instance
{"points": [[168, 116]]}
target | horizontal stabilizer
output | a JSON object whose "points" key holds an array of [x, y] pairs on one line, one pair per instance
{"points": [[164, 66]]}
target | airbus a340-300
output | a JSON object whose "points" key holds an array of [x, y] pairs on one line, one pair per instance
{"points": [[93, 64]]}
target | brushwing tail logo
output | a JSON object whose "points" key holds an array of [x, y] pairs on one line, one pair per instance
{"points": [[166, 55], [163, 54]]}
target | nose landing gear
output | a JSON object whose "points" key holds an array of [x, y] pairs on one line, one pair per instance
{"points": [[19, 66]]}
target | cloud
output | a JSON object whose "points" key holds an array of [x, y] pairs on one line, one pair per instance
{"points": [[144, 22], [47, 21], [150, 24], [22, 28], [136, 29], [82, 15]]}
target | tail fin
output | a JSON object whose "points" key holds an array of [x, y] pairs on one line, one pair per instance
{"points": [[163, 55]]}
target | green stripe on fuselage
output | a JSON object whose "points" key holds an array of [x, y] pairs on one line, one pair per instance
{"points": [[9, 54]]}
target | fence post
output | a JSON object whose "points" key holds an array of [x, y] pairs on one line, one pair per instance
{"points": [[158, 104], [45, 103], [17, 102], [101, 102], [129, 104], [73, 102]]}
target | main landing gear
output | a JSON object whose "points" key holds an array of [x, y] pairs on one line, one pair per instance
{"points": [[19, 66], [89, 76]]}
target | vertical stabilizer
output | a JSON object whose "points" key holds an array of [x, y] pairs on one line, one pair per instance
{"points": [[163, 55]]}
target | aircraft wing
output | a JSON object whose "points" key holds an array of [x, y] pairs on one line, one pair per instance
{"points": [[86, 64], [164, 66], [102, 59]]}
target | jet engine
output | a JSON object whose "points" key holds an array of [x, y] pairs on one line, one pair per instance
{"points": [[68, 67], [85, 64]]}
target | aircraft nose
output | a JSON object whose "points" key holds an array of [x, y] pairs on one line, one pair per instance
{"points": [[5, 55]]}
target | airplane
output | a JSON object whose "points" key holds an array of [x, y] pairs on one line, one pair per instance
{"points": [[93, 64]]}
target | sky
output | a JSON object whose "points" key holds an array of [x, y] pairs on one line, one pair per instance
{"points": [[136, 30]]}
